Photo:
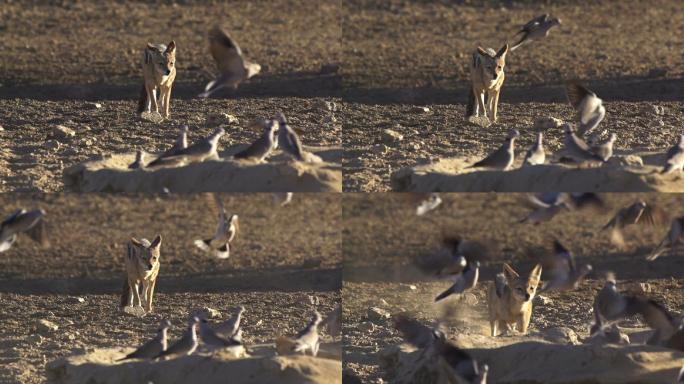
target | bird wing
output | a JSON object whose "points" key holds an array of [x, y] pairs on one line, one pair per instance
{"points": [[11, 217], [225, 51], [535, 22], [653, 215], [39, 233], [576, 93]]}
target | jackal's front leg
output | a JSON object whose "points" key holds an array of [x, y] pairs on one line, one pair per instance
{"points": [[166, 99], [136, 295], [493, 105], [480, 104], [149, 293]]}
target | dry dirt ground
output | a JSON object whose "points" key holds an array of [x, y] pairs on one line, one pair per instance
{"points": [[60, 59], [283, 260], [401, 55], [382, 236]]}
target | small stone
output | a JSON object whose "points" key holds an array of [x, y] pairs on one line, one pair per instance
{"points": [[366, 326], [543, 123], [330, 106], [216, 119], [412, 287], [377, 315], [420, 110], [391, 137], [35, 339], [384, 303], [207, 313], [46, 327], [134, 311], [76, 300], [626, 161], [94, 105], [543, 300], [470, 299], [62, 133], [561, 335], [414, 146], [658, 110], [1, 128], [380, 149], [51, 145]]}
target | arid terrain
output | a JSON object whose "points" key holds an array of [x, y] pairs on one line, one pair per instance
{"points": [[285, 262], [401, 56], [79, 65], [383, 236]]}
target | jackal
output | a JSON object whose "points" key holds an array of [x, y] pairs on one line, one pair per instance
{"points": [[159, 71], [510, 299], [142, 268], [487, 77]]}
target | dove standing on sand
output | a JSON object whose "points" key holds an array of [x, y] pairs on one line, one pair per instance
{"points": [[457, 361], [288, 140], [430, 203], [186, 345], [263, 146], [210, 338], [636, 213], [605, 150], [462, 282], [576, 148], [230, 327], [503, 157], [202, 150], [609, 305], [139, 160], [231, 63], [22, 221], [536, 29], [674, 158], [565, 275], [536, 155], [153, 347], [307, 338], [180, 144], [671, 240], [589, 107], [226, 230]]}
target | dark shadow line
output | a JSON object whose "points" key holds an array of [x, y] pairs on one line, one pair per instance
{"points": [[632, 89], [252, 281]]}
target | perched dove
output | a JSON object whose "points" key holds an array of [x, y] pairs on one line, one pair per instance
{"points": [[139, 160], [429, 204], [201, 150], [263, 146], [22, 221], [230, 327], [503, 157], [333, 322], [605, 150], [226, 230], [576, 148], [233, 67], [307, 338], [589, 107], [536, 155], [180, 144], [674, 158], [288, 140], [210, 338], [536, 29], [153, 347], [186, 345]]}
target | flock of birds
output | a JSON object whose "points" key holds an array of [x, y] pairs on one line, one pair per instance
{"points": [[459, 261], [589, 114], [227, 336], [33, 224], [205, 148]]}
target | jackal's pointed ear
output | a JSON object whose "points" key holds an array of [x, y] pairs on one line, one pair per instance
{"points": [[502, 52], [156, 243], [509, 272], [482, 51], [171, 48], [136, 242], [536, 273]]}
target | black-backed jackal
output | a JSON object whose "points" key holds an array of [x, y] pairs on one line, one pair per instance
{"points": [[487, 77], [159, 72], [142, 268], [509, 299]]}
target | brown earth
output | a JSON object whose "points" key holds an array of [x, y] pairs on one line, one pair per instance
{"points": [[382, 236], [60, 58], [399, 55], [283, 260]]}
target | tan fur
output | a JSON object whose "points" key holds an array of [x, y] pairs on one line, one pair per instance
{"points": [[487, 78], [155, 66], [142, 268], [513, 308]]}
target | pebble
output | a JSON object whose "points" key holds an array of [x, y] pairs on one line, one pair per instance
{"points": [[377, 315], [208, 313], [391, 137], [366, 326], [46, 327], [420, 110], [76, 300], [62, 133], [51, 145], [543, 300]]}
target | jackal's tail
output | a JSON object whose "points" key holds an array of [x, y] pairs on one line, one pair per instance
{"points": [[142, 101], [125, 293], [470, 108]]}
